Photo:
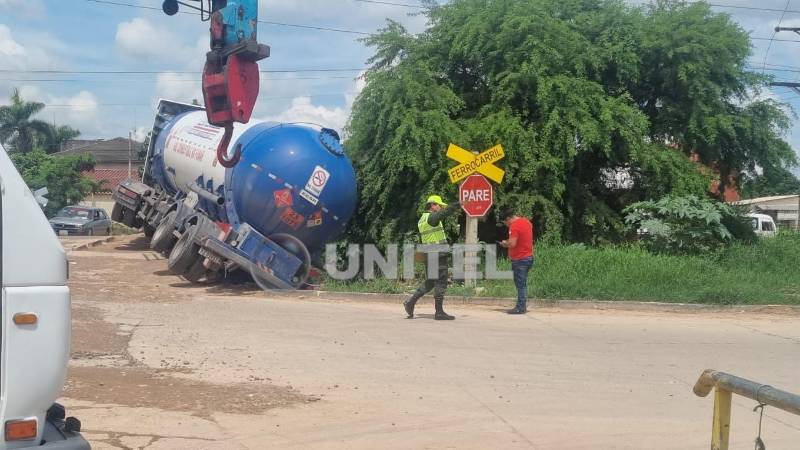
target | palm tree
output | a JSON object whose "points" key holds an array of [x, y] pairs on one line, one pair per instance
{"points": [[17, 129], [60, 136]]}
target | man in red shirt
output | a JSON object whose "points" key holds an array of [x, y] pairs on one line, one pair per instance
{"points": [[520, 251]]}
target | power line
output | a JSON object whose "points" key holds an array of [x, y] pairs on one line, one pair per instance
{"points": [[182, 80], [155, 72], [288, 97], [771, 39], [391, 4], [265, 22], [749, 8], [777, 69]]}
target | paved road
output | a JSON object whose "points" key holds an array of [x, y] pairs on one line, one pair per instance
{"points": [[175, 366]]}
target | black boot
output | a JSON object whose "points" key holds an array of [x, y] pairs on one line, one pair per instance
{"points": [[409, 305], [440, 314]]}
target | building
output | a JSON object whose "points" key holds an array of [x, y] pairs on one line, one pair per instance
{"points": [[784, 209], [116, 160]]}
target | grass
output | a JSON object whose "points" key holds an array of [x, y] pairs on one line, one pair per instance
{"points": [[120, 229], [767, 272]]}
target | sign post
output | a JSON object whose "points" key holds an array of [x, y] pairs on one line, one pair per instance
{"points": [[475, 193], [476, 196]]}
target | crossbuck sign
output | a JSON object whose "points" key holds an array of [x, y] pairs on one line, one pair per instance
{"points": [[470, 163]]}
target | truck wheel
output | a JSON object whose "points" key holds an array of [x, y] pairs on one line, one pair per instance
{"points": [[196, 272], [184, 254], [163, 240], [116, 212], [129, 217], [214, 277], [149, 231]]}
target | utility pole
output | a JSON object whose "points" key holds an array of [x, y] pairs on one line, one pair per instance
{"points": [[795, 86], [130, 151]]}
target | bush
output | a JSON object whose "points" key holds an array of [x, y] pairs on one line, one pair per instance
{"points": [[61, 175], [687, 224]]}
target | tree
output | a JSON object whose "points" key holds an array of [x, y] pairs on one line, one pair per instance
{"points": [[59, 136], [772, 181], [599, 104], [17, 128], [62, 175]]}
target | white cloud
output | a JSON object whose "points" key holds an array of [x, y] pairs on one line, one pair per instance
{"points": [[180, 87], [141, 41], [140, 133], [302, 110], [9, 48], [29, 8], [80, 111], [359, 16]]}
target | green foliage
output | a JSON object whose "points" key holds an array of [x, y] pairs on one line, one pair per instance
{"points": [[21, 133], [599, 104], [687, 225], [60, 174], [772, 181], [17, 128], [59, 136], [737, 274]]}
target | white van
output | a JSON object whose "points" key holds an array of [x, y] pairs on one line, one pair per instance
{"points": [[763, 224], [34, 323]]}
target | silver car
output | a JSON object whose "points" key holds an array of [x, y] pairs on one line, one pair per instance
{"points": [[81, 220]]}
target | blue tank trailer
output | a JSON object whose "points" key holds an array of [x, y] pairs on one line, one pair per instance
{"points": [[270, 215]]}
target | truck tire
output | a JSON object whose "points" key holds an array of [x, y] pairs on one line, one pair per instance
{"points": [[163, 240], [116, 212], [196, 272], [185, 253], [149, 231], [129, 218]]}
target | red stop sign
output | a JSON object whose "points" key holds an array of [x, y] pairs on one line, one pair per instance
{"points": [[476, 195]]}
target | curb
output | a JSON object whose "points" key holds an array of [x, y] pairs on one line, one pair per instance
{"points": [[543, 304], [93, 243]]}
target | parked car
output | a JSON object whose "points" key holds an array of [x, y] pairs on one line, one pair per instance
{"points": [[763, 224], [35, 322], [81, 220]]}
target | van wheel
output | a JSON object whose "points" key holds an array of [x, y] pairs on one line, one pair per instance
{"points": [[116, 212], [163, 240], [185, 253]]}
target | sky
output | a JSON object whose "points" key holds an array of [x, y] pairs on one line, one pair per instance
{"points": [[124, 35]]}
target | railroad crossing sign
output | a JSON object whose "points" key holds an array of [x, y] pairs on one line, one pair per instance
{"points": [[470, 163], [476, 195]]}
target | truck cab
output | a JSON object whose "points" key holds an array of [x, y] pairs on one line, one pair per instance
{"points": [[763, 224], [34, 323]]}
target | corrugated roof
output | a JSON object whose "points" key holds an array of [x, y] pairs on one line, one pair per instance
{"points": [[763, 199]]}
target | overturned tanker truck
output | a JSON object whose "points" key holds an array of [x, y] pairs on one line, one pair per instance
{"points": [[270, 215]]}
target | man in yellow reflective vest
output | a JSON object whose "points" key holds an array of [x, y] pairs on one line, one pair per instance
{"points": [[431, 232]]}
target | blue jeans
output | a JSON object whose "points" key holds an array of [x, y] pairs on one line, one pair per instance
{"points": [[520, 268]]}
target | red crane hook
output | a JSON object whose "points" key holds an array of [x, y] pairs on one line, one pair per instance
{"points": [[222, 149]]}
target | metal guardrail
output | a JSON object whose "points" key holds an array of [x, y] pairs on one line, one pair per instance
{"points": [[726, 385]]}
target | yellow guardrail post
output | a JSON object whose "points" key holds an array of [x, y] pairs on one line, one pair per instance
{"points": [[724, 386], [721, 428]]}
